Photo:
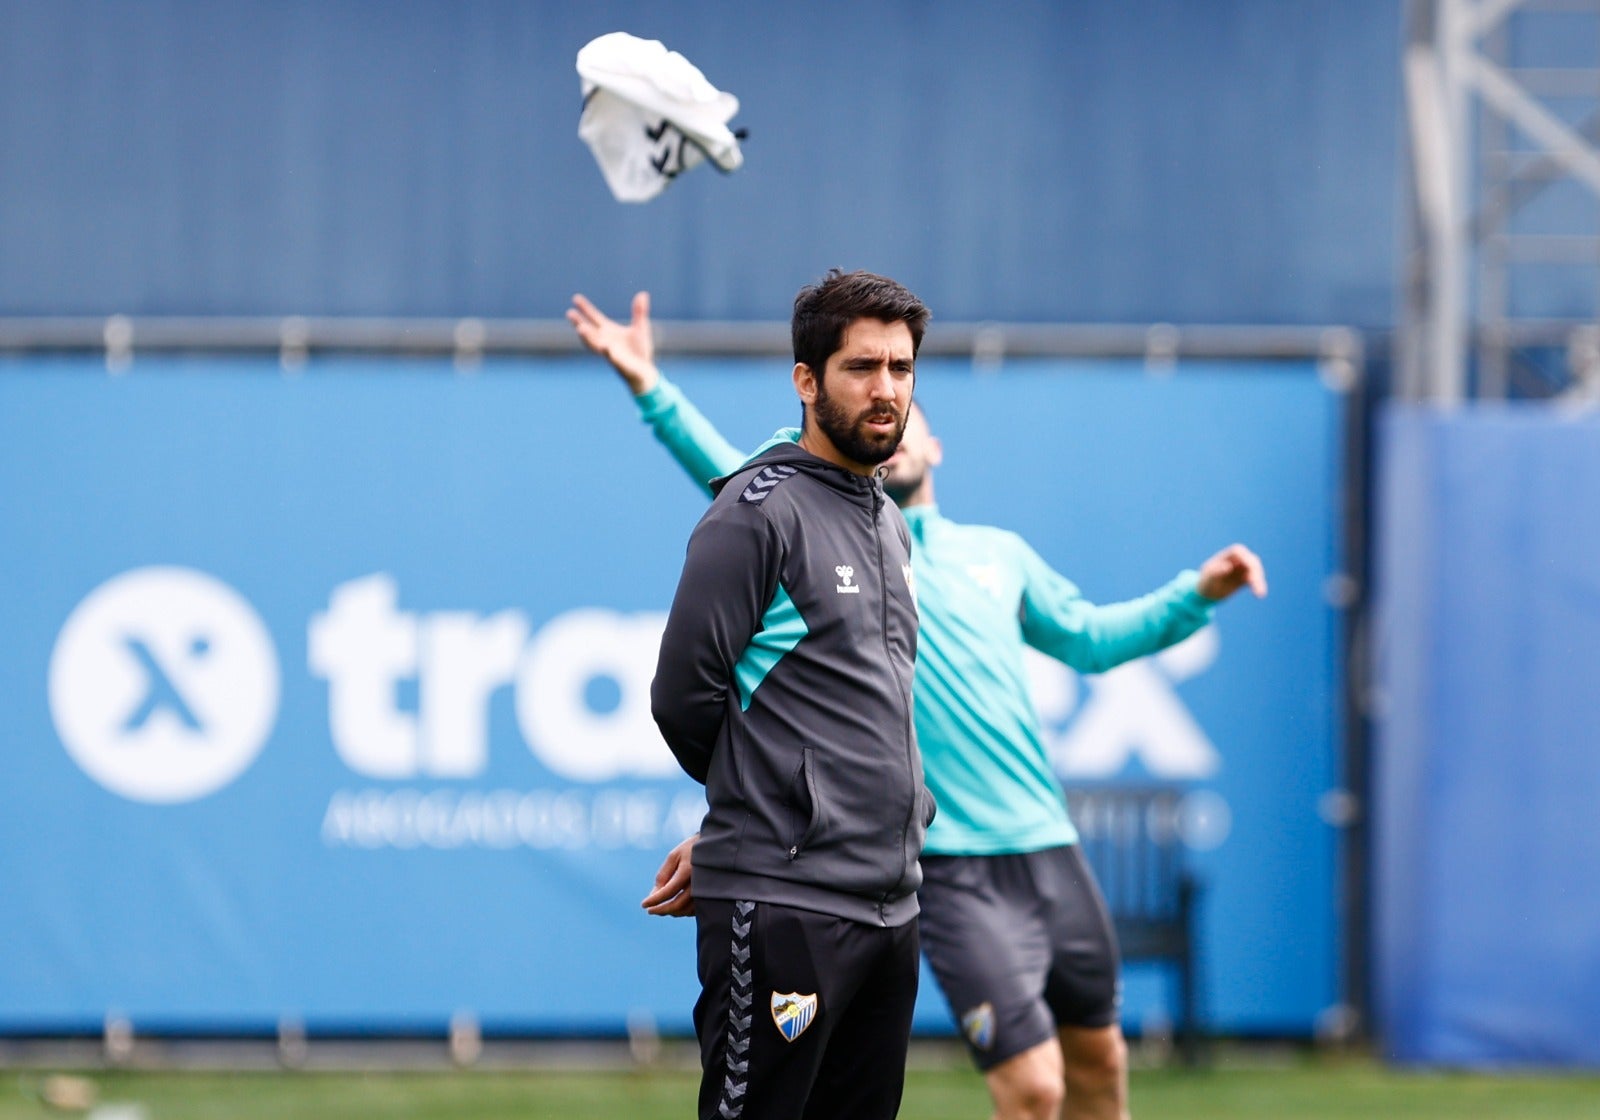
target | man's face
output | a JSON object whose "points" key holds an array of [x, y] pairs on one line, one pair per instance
{"points": [[864, 395], [908, 467]]}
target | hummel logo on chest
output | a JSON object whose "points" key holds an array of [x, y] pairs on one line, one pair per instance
{"points": [[846, 573]]}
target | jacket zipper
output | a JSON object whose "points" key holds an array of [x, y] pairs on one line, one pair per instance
{"points": [[883, 585]]}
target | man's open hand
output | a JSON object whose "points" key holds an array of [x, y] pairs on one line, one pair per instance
{"points": [[629, 348]]}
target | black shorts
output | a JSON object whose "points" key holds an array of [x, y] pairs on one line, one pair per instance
{"points": [[801, 1015], [1021, 945]]}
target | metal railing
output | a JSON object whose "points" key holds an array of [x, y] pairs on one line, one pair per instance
{"points": [[294, 339]]}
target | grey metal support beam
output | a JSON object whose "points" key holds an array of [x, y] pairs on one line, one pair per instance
{"points": [[1462, 64], [295, 339]]}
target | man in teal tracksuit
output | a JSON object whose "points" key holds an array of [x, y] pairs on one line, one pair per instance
{"points": [[1011, 920]]}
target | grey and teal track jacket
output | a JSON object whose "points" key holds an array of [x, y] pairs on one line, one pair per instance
{"points": [[784, 684], [983, 596]]}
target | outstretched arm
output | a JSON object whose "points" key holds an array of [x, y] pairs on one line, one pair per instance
{"points": [[1091, 638], [681, 427], [673, 896]]}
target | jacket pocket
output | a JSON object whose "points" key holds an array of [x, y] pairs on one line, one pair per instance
{"points": [[802, 798]]}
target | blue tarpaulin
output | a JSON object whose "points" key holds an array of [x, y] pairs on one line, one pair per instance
{"points": [[1487, 855]]}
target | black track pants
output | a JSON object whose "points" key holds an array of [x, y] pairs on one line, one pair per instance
{"points": [[801, 1015]]}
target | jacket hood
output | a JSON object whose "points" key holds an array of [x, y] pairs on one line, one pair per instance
{"points": [[784, 449]]}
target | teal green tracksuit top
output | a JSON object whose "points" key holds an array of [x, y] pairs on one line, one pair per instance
{"points": [[982, 594]]}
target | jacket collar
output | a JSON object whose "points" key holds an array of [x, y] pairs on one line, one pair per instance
{"points": [[784, 448]]}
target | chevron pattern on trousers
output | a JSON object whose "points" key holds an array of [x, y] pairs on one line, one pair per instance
{"points": [[740, 997], [762, 484]]}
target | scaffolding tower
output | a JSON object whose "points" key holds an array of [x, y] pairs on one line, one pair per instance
{"points": [[1503, 284]]}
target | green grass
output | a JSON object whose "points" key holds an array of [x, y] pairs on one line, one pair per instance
{"points": [[1300, 1089]]}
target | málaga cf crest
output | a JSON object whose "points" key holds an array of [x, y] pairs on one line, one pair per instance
{"points": [[978, 1025], [793, 1012]]}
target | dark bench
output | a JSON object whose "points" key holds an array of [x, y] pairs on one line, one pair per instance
{"points": [[1129, 835]]}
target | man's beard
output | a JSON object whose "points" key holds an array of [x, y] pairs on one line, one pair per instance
{"points": [[901, 487], [852, 438]]}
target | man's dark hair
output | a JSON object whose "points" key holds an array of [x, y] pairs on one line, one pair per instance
{"points": [[823, 310]]}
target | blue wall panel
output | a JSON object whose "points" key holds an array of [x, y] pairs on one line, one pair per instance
{"points": [[1231, 161], [1487, 942]]}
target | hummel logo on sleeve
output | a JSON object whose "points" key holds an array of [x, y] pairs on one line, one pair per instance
{"points": [[762, 484]]}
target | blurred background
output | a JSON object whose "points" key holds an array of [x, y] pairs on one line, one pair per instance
{"points": [[334, 568]]}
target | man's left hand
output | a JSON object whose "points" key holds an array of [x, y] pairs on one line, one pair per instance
{"points": [[1232, 568], [673, 896]]}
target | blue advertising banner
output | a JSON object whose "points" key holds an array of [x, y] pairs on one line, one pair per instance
{"points": [[326, 695]]}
